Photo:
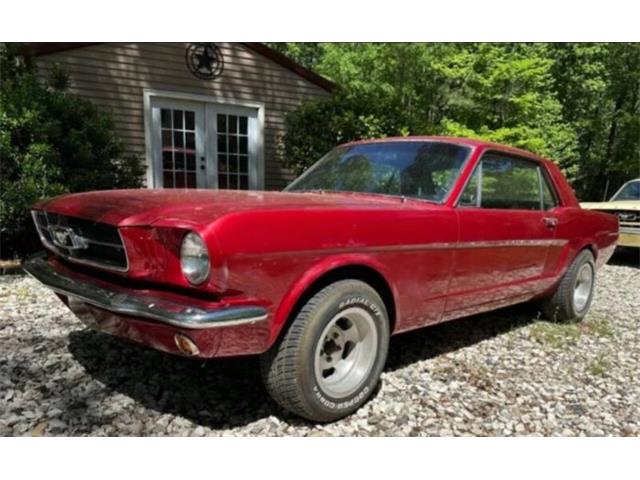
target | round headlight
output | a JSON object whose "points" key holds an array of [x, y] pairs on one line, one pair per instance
{"points": [[194, 258]]}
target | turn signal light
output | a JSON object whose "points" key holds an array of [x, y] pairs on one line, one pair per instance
{"points": [[186, 345]]}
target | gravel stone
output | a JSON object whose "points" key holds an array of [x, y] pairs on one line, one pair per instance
{"points": [[508, 372]]}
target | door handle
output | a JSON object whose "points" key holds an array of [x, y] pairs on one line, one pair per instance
{"points": [[550, 222]]}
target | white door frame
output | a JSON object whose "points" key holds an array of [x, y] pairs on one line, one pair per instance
{"points": [[148, 94]]}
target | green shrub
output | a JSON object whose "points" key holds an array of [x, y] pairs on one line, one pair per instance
{"points": [[51, 142], [316, 127]]}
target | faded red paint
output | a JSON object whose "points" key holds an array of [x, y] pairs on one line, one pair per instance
{"points": [[268, 248]]}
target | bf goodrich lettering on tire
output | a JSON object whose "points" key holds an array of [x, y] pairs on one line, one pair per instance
{"points": [[362, 301], [345, 404]]}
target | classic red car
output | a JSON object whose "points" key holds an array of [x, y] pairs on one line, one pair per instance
{"points": [[378, 237]]}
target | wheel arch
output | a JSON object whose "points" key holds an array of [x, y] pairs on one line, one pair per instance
{"points": [[591, 246], [321, 276]]}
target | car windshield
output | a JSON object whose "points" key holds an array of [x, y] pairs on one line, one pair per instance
{"points": [[425, 170], [631, 191]]}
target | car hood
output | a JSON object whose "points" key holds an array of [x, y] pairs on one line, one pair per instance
{"points": [[198, 207], [615, 205]]}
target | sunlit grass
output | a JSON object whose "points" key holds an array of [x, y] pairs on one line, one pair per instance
{"points": [[559, 335]]}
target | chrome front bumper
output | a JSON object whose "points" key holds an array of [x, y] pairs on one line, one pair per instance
{"points": [[122, 302]]}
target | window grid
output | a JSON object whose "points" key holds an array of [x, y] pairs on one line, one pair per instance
{"points": [[178, 148], [233, 152]]}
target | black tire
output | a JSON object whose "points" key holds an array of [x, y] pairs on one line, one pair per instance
{"points": [[560, 306], [289, 368]]}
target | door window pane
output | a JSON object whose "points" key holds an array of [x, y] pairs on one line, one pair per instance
{"points": [[243, 147], [190, 120], [222, 123], [177, 119], [179, 160], [222, 181], [244, 164], [233, 151], [167, 160], [191, 180], [167, 179], [166, 138], [178, 139], [243, 125], [179, 179], [233, 163], [165, 114], [223, 167], [222, 143], [191, 162], [191, 140]]}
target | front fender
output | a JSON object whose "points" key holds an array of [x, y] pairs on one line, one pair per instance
{"points": [[311, 275]]}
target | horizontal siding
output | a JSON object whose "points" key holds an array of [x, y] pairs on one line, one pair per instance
{"points": [[172, 59], [114, 75], [244, 74]]}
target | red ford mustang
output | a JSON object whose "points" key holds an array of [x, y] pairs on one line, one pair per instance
{"points": [[378, 237]]}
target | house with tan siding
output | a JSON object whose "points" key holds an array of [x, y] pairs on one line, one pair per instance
{"points": [[199, 115]]}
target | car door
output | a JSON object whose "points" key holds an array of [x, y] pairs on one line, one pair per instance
{"points": [[504, 232]]}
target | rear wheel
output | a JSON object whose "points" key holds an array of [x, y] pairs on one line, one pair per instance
{"points": [[572, 298], [329, 361]]}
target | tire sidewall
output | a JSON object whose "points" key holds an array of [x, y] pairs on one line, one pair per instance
{"points": [[584, 258], [323, 404]]}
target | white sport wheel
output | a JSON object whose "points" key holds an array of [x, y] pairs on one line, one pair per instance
{"points": [[328, 362], [583, 287], [346, 352]]}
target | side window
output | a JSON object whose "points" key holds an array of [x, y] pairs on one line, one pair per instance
{"points": [[549, 199], [509, 183], [471, 194], [503, 182]]}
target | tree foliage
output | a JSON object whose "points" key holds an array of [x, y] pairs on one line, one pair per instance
{"points": [[51, 142], [577, 104]]}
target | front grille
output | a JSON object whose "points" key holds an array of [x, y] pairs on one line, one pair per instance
{"points": [[82, 241], [629, 220]]}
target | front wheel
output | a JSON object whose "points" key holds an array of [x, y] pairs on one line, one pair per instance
{"points": [[572, 298], [329, 361]]}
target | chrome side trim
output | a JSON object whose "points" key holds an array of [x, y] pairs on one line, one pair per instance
{"points": [[630, 230], [556, 242], [125, 302], [512, 243], [81, 261]]}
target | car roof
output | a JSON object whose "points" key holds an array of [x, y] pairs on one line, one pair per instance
{"points": [[469, 142]]}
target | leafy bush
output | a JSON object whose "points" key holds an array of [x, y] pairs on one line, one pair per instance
{"points": [[51, 142]]}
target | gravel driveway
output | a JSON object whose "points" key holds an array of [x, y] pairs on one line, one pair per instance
{"points": [[505, 373]]}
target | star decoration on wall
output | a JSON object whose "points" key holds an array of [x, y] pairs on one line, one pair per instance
{"points": [[204, 60]]}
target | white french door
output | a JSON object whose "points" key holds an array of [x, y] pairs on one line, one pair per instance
{"points": [[203, 145]]}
